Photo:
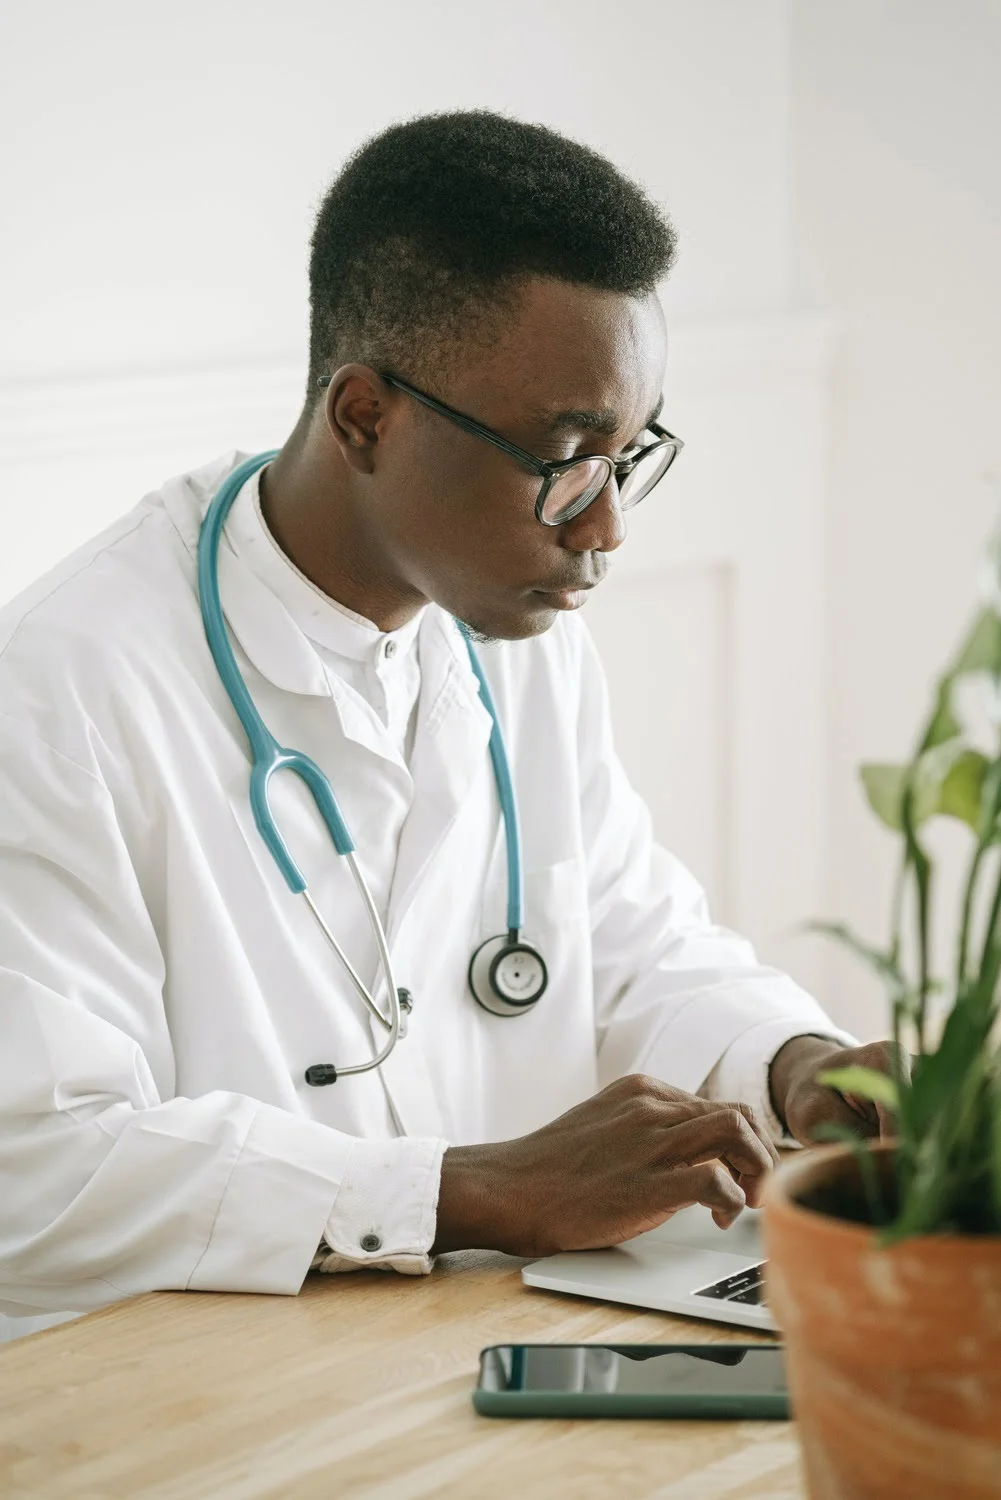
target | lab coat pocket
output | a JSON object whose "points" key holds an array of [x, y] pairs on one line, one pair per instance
{"points": [[556, 923], [552, 894], [555, 896]]}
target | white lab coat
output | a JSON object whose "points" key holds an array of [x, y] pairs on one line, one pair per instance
{"points": [[162, 992]]}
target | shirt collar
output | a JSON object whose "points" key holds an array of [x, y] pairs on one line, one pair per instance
{"points": [[319, 617], [274, 639]]}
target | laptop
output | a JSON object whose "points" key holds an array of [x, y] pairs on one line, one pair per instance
{"points": [[687, 1266]]}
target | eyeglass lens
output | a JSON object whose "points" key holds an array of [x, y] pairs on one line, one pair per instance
{"points": [[576, 487]]}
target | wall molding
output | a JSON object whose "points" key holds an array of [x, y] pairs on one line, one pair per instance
{"points": [[213, 406], [257, 400]]}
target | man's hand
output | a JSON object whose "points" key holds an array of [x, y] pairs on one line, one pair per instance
{"points": [[803, 1104], [621, 1162]]}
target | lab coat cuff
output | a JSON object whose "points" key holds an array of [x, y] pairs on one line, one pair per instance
{"points": [[273, 1207], [741, 1075], [385, 1214]]}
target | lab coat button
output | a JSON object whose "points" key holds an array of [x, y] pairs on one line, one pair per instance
{"points": [[371, 1242], [390, 648]]}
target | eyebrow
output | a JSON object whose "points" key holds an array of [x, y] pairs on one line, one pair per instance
{"points": [[605, 421]]}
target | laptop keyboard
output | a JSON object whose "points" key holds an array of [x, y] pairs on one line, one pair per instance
{"points": [[747, 1287]]}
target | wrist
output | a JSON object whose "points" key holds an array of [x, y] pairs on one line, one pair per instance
{"points": [[800, 1055], [468, 1200]]}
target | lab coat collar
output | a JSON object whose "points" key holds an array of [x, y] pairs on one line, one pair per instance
{"points": [[261, 623]]}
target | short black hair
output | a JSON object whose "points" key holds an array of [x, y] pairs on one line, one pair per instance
{"points": [[422, 239]]}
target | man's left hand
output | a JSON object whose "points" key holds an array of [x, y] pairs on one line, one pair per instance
{"points": [[803, 1104]]}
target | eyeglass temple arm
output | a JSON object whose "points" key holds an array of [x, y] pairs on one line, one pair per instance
{"points": [[469, 423], [537, 466]]}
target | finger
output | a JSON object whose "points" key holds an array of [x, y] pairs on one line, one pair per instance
{"points": [[724, 1133], [753, 1189], [694, 1106], [711, 1185], [759, 1129]]}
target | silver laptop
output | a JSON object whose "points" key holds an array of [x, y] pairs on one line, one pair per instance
{"points": [[688, 1265]]}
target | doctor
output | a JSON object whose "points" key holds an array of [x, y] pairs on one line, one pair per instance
{"points": [[185, 1096]]}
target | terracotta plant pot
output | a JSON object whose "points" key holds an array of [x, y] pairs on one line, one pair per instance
{"points": [[894, 1356]]}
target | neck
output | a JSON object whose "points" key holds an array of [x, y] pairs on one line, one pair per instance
{"points": [[310, 509]]}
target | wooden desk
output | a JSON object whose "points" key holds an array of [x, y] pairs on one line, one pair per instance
{"points": [[359, 1387]]}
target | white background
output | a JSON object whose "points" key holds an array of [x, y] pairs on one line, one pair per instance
{"points": [[160, 169]]}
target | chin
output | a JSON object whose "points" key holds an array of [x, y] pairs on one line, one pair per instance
{"points": [[519, 625]]}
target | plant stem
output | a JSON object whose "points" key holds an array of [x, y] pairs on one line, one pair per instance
{"points": [[899, 891], [990, 961], [985, 834], [964, 931], [906, 1142], [918, 859]]}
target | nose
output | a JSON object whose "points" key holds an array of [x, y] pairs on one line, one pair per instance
{"points": [[601, 527]]}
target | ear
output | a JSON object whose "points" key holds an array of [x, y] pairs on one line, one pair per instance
{"points": [[356, 407]]}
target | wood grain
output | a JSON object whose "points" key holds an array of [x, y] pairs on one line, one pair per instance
{"points": [[359, 1387]]}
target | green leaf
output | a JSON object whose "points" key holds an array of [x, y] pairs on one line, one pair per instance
{"points": [[944, 725], [866, 1082], [988, 831], [844, 1135], [981, 651], [960, 795], [884, 787], [923, 1204], [938, 1076], [931, 772], [946, 781]]}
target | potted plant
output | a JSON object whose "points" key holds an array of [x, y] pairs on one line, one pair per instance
{"points": [[884, 1258]]}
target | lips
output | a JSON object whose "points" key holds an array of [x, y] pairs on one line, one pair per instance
{"points": [[567, 588], [563, 598]]}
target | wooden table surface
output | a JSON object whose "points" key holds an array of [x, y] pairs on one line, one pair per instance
{"points": [[359, 1387]]}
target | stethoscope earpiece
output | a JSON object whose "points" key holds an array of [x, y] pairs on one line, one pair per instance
{"points": [[507, 977]]}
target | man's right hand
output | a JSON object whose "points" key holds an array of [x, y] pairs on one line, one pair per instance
{"points": [[610, 1168]]}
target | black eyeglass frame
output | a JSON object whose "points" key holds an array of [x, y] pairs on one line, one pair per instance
{"points": [[547, 469]]}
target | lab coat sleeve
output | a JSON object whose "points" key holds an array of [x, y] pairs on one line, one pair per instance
{"points": [[676, 996], [108, 1185], [742, 1072]]}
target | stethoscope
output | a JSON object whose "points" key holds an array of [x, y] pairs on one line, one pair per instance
{"points": [[506, 975]]}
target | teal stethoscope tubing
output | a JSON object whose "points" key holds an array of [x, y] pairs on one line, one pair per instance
{"points": [[268, 756]]}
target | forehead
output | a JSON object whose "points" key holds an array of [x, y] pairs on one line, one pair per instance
{"points": [[572, 358], [556, 421]]}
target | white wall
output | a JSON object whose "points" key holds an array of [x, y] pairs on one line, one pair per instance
{"points": [[896, 216], [162, 162]]}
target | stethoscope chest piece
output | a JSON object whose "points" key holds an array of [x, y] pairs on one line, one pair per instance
{"points": [[507, 978]]}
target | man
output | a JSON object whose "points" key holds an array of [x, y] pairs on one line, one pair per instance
{"points": [[163, 992]]}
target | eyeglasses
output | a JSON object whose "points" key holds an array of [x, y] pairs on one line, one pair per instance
{"points": [[568, 484]]}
